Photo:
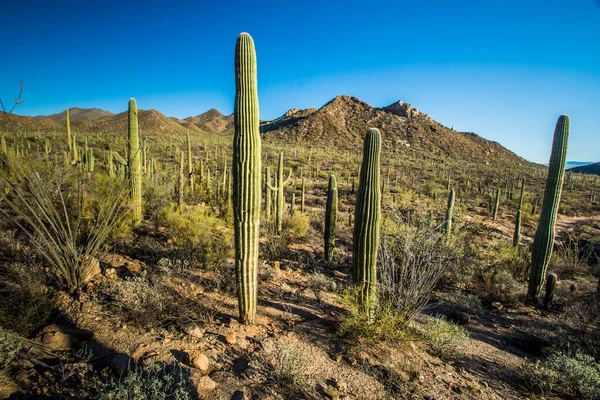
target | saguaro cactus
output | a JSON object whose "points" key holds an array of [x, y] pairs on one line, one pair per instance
{"points": [[69, 139], [246, 170], [544, 235], [190, 162], [134, 164], [279, 201], [550, 286], [366, 221], [330, 218], [496, 204], [449, 212]]}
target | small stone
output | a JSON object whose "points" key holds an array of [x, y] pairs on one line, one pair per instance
{"points": [[206, 384], [93, 268], [201, 361], [230, 338], [56, 340], [192, 329], [7, 387]]}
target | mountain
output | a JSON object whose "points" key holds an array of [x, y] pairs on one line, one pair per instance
{"points": [[588, 169], [211, 121], [575, 164], [80, 114], [343, 121]]}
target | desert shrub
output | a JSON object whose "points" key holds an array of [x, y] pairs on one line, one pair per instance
{"points": [[274, 245], [317, 284], [466, 302], [266, 272], [574, 377], [24, 285], [10, 346], [442, 335], [283, 364], [67, 219], [198, 235], [504, 287], [139, 299], [153, 381], [298, 226], [411, 261], [568, 260]]}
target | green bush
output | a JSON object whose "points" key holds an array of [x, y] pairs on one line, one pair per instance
{"points": [[298, 226], [442, 335], [150, 382], [198, 234]]}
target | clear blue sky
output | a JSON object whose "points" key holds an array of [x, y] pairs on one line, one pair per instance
{"points": [[504, 69]]}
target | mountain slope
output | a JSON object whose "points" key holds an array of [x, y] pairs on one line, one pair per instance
{"points": [[344, 120], [80, 114], [211, 121], [588, 169]]}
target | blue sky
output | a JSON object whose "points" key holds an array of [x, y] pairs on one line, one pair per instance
{"points": [[503, 69]]}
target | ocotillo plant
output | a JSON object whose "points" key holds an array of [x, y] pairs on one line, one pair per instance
{"points": [[330, 218], [134, 164], [366, 221], [279, 189], [544, 235], [449, 212], [246, 169]]}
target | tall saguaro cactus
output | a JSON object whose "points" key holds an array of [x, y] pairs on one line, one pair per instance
{"points": [[366, 221], [449, 212], [279, 201], [69, 140], [134, 164], [246, 170], [330, 218], [544, 235]]}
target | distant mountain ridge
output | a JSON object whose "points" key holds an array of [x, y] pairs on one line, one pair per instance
{"points": [[575, 164], [341, 122], [588, 169]]}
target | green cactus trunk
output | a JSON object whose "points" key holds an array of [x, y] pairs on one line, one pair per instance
{"points": [[190, 162], [544, 235], [181, 180], [330, 218], [279, 201], [517, 234], [449, 212], [550, 287], [246, 169], [496, 204], [69, 138], [134, 164], [366, 221], [302, 196]]}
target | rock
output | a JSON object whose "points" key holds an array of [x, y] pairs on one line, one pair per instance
{"points": [[192, 329], [120, 364], [7, 386], [206, 384], [111, 274], [201, 362], [230, 338], [56, 340], [23, 379], [239, 395], [93, 268]]}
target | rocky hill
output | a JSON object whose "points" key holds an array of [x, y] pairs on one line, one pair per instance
{"points": [[211, 121], [588, 169], [344, 120], [80, 114]]}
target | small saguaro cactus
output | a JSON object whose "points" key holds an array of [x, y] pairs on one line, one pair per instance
{"points": [[550, 286], [330, 218], [69, 139], [268, 194], [517, 234], [449, 212], [496, 204], [302, 196], [180, 186], [280, 203], [246, 171], [366, 221], [544, 235], [134, 164], [190, 162]]}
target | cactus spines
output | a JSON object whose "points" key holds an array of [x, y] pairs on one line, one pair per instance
{"points": [[330, 218], [246, 170], [550, 286], [544, 235], [279, 201], [134, 164], [449, 212], [366, 221]]}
